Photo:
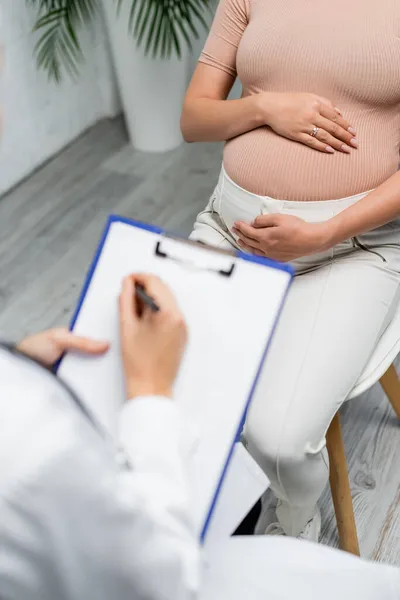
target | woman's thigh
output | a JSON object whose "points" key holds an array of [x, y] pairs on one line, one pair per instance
{"points": [[210, 229], [327, 332]]}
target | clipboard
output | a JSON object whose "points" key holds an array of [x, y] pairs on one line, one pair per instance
{"points": [[231, 302]]}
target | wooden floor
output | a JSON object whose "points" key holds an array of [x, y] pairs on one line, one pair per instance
{"points": [[49, 226]]}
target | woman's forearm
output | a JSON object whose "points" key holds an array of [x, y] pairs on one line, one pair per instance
{"points": [[377, 208], [209, 120]]}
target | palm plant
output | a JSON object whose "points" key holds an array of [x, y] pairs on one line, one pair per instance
{"points": [[159, 25]]}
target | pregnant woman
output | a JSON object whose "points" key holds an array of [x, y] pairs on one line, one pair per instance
{"points": [[309, 176]]}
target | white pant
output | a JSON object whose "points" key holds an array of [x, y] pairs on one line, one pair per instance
{"points": [[340, 302], [279, 568]]}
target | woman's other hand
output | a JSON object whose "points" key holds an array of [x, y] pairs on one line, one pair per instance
{"points": [[152, 343], [309, 119], [48, 346], [282, 237]]}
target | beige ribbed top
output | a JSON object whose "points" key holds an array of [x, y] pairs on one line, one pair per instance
{"points": [[345, 50]]}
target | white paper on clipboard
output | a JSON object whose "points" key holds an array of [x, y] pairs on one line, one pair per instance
{"points": [[230, 320]]}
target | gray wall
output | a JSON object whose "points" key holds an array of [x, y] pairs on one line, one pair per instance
{"points": [[41, 118]]}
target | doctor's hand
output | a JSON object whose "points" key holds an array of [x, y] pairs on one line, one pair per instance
{"points": [[49, 346], [152, 343]]}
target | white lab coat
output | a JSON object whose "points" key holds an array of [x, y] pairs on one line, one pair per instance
{"points": [[81, 519]]}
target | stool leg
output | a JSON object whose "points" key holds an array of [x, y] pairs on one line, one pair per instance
{"points": [[391, 386], [340, 489]]}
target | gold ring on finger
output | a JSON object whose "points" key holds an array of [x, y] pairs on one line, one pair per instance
{"points": [[314, 132]]}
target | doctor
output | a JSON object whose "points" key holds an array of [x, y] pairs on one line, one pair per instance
{"points": [[82, 519]]}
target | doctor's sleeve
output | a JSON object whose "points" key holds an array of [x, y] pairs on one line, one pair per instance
{"points": [[155, 492], [125, 529]]}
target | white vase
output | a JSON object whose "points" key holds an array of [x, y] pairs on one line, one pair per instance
{"points": [[152, 90]]}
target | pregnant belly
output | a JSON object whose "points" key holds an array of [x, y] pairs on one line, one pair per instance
{"points": [[234, 203], [264, 163]]}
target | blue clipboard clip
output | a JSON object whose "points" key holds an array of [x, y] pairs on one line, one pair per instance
{"points": [[161, 253]]}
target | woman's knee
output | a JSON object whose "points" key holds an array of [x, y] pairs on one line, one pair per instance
{"points": [[298, 470], [271, 446]]}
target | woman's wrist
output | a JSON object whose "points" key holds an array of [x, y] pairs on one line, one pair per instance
{"points": [[251, 113], [263, 107], [267, 107], [330, 234]]}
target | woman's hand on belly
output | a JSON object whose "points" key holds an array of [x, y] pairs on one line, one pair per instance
{"points": [[309, 119], [281, 237]]}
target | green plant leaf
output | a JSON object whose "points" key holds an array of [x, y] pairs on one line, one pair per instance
{"points": [[151, 26], [198, 12], [163, 28], [131, 20], [60, 22], [160, 25], [184, 33], [174, 38], [141, 21], [154, 42], [152, 29]]}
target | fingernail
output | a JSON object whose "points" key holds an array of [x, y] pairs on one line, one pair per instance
{"points": [[346, 149], [354, 142], [352, 130], [330, 149]]}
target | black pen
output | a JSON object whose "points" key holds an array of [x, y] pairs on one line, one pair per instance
{"points": [[145, 298]]}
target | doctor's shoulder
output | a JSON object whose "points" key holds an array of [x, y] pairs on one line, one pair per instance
{"points": [[42, 431]]}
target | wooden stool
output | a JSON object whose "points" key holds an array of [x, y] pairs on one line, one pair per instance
{"points": [[339, 476]]}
